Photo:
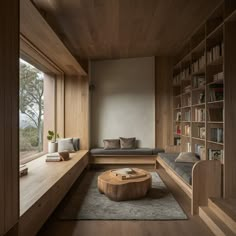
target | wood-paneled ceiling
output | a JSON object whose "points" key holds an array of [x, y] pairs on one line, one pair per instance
{"points": [[103, 29]]}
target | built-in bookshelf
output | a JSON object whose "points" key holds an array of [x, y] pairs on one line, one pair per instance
{"points": [[204, 92], [198, 86]]}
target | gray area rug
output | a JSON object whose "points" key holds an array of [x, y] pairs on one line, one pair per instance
{"points": [[84, 202]]}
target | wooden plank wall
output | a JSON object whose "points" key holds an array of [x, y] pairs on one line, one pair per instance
{"points": [[9, 115], [230, 108], [163, 101], [77, 109]]}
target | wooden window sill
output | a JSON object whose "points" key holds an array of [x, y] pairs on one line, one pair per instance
{"points": [[42, 176]]}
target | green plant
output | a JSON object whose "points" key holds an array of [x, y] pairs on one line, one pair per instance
{"points": [[52, 136]]}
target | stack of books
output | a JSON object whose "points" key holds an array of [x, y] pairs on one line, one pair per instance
{"points": [[23, 170], [199, 64], [57, 156], [185, 73], [187, 130]]}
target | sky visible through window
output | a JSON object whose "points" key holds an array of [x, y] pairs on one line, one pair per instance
{"points": [[31, 109]]}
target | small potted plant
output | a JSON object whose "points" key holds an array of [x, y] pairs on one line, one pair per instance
{"points": [[52, 141]]}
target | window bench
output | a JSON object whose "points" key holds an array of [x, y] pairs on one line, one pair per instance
{"points": [[44, 187], [199, 181], [139, 156]]}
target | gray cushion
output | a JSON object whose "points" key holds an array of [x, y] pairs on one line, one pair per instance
{"points": [[65, 144], [127, 143], [155, 151], [76, 144], [182, 169], [111, 144], [137, 151], [187, 157]]}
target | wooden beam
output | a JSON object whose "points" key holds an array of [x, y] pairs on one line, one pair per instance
{"points": [[35, 28], [9, 118]]}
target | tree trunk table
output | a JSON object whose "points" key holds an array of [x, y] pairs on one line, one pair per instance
{"points": [[118, 189]]}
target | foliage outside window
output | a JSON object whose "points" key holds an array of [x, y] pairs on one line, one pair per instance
{"points": [[31, 110]]}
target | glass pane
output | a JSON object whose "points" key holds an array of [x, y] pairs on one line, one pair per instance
{"points": [[31, 110]]}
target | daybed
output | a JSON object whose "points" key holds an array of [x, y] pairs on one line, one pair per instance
{"points": [[124, 156], [200, 180]]}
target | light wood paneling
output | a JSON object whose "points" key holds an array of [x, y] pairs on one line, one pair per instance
{"points": [[49, 107], [60, 102], [77, 109], [39, 33], [9, 118], [230, 108], [163, 101], [131, 28]]}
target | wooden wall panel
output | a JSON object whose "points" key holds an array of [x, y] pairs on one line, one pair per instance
{"points": [[163, 101], [230, 110], [77, 109], [60, 101], [9, 118], [49, 107]]}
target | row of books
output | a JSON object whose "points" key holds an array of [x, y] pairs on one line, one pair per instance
{"points": [[199, 114], [199, 64], [217, 135], [198, 81], [216, 92], [187, 115], [214, 154], [187, 130], [215, 53], [218, 76]]}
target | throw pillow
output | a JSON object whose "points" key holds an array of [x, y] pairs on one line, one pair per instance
{"points": [[127, 143], [65, 144], [76, 144], [111, 144], [189, 157]]}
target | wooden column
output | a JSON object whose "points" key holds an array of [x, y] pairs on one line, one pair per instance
{"points": [[230, 110], [77, 109], [9, 115], [163, 101]]}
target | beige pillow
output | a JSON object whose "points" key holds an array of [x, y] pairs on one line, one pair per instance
{"points": [[111, 144], [188, 157], [127, 143]]}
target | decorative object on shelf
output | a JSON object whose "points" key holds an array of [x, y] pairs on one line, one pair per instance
{"points": [[23, 170], [216, 154], [52, 144]]}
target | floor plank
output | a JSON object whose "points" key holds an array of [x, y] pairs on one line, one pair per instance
{"points": [[193, 226]]}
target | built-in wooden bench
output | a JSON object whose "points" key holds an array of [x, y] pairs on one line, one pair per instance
{"points": [[139, 156], [44, 187], [205, 179]]}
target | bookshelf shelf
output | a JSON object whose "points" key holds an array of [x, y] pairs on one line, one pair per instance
{"points": [[186, 107], [199, 72], [198, 89], [198, 121], [215, 122], [198, 105], [216, 143], [215, 102], [199, 139]]}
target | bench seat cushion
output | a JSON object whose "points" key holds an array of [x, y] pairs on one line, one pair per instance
{"points": [[184, 170], [137, 151]]}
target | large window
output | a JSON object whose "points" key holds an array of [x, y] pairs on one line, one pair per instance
{"points": [[31, 110]]}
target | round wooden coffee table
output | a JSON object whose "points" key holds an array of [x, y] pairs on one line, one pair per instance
{"points": [[118, 189]]}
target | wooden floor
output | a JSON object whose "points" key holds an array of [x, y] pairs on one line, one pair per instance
{"points": [[193, 226]]}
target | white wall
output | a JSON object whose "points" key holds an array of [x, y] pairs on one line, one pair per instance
{"points": [[123, 101]]}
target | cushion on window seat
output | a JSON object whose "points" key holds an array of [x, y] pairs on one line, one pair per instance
{"points": [[136, 151], [184, 170]]}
